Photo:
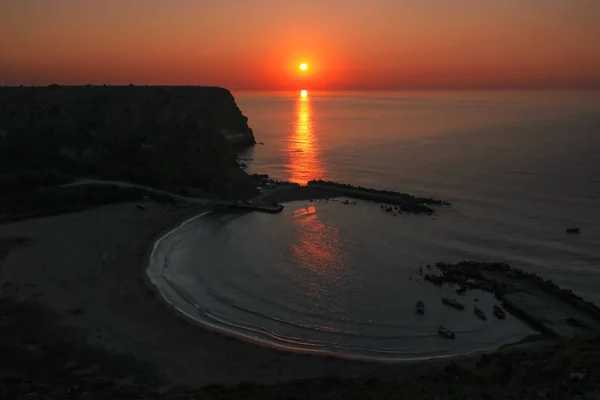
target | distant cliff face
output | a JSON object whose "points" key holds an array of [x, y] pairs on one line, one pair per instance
{"points": [[169, 137]]}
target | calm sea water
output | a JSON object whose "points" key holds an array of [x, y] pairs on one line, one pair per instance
{"points": [[519, 168]]}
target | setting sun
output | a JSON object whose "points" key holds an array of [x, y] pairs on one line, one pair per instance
{"points": [[303, 66]]}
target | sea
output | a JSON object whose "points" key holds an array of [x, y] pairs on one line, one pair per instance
{"points": [[518, 168]]}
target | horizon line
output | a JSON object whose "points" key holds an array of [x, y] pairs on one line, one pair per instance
{"points": [[594, 87]]}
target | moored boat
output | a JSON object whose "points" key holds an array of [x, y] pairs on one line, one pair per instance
{"points": [[461, 290], [446, 332], [480, 314], [453, 303], [420, 307], [499, 312]]}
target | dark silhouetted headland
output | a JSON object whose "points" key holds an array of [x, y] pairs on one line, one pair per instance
{"points": [[173, 138]]}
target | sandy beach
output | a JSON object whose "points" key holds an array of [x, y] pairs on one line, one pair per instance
{"points": [[89, 267]]}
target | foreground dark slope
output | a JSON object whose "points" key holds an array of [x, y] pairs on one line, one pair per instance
{"points": [[180, 139]]}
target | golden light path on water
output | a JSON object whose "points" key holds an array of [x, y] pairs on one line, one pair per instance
{"points": [[319, 250], [318, 247], [303, 155]]}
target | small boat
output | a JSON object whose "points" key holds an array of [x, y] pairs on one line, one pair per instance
{"points": [[499, 312], [573, 230], [446, 332], [453, 303], [461, 290], [480, 314], [420, 307]]}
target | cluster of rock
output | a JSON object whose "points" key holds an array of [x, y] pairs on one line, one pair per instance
{"points": [[391, 209], [422, 200], [167, 137], [468, 274], [283, 183], [243, 162]]}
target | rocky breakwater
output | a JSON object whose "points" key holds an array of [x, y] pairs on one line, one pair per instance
{"points": [[553, 311], [318, 189], [180, 139]]}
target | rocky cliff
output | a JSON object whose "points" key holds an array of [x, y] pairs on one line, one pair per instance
{"points": [[175, 138]]}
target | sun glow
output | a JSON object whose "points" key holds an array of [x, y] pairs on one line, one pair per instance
{"points": [[303, 93], [303, 67]]}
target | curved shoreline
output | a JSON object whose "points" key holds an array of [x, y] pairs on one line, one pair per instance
{"points": [[168, 293]]}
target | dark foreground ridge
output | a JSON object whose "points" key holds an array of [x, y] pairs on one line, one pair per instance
{"points": [[41, 361], [555, 312]]}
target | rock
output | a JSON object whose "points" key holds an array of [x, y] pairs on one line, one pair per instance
{"points": [[92, 369], [71, 364], [34, 348], [577, 376], [75, 311], [88, 157], [166, 388], [542, 394], [68, 152], [484, 360], [455, 369]]}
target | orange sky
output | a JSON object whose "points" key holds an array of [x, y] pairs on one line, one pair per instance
{"points": [[258, 44]]}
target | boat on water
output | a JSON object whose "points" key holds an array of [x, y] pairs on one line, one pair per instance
{"points": [[479, 312], [445, 332], [461, 290], [499, 312], [453, 303], [420, 307]]}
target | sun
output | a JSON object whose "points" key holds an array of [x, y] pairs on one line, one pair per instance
{"points": [[303, 67]]}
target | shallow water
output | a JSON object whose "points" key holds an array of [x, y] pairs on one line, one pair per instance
{"points": [[519, 169]]}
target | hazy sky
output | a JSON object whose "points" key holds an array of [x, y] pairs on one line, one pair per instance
{"points": [[258, 44]]}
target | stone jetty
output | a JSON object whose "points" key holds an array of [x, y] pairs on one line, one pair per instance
{"points": [[317, 189]]}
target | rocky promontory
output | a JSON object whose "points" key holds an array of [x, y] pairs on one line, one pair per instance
{"points": [[180, 139], [553, 311]]}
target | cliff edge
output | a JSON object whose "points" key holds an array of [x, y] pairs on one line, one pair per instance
{"points": [[179, 139]]}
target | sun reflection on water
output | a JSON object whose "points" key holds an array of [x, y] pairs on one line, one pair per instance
{"points": [[319, 250], [319, 246], [304, 159]]}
